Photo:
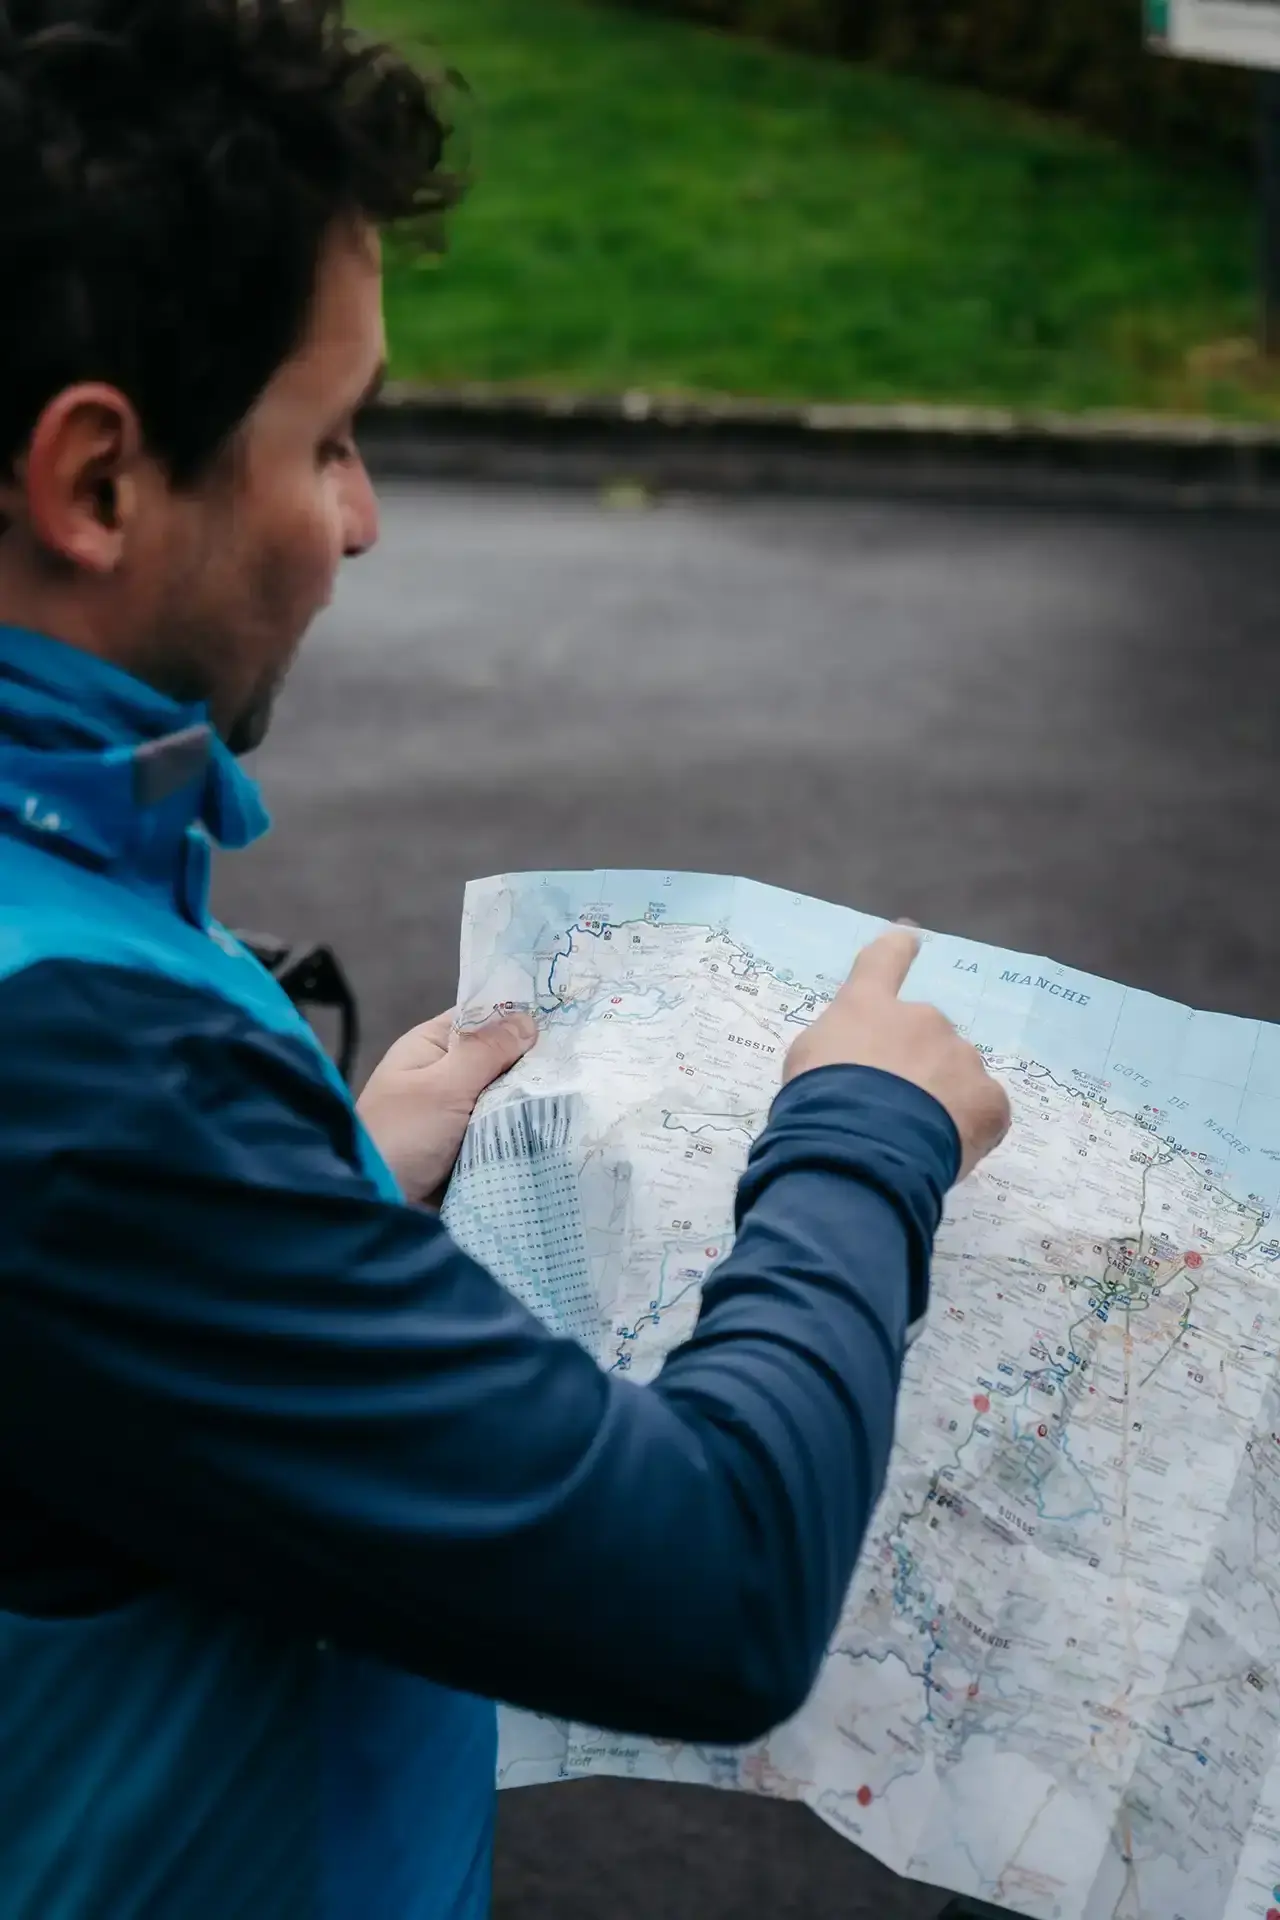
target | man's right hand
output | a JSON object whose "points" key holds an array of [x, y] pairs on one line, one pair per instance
{"points": [[867, 1025]]}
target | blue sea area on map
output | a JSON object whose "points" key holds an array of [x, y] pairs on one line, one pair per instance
{"points": [[1208, 1081]]}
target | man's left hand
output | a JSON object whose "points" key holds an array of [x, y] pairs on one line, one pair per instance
{"points": [[419, 1101]]}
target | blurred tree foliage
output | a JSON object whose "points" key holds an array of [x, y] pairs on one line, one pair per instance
{"points": [[1082, 58]]}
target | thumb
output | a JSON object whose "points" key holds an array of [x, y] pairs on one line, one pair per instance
{"points": [[481, 1055]]}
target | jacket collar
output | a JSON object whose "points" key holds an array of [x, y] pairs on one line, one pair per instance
{"points": [[103, 764]]}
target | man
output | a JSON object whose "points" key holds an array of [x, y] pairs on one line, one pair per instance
{"points": [[290, 1488]]}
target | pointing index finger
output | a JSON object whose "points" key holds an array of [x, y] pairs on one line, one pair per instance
{"points": [[882, 967]]}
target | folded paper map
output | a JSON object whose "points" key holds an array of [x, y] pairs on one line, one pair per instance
{"points": [[1056, 1683]]}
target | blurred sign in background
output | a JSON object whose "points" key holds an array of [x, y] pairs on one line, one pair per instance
{"points": [[1244, 32]]}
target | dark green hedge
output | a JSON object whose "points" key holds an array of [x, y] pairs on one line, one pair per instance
{"points": [[1082, 58]]}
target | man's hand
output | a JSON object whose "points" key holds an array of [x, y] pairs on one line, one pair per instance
{"points": [[418, 1102], [867, 1025]]}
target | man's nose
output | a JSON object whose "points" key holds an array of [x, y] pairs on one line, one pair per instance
{"points": [[360, 524]]}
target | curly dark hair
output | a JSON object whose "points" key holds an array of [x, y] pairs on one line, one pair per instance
{"points": [[169, 172]]}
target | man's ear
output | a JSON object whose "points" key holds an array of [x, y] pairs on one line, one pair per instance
{"points": [[78, 477]]}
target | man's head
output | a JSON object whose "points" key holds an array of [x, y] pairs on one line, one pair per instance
{"points": [[191, 193]]}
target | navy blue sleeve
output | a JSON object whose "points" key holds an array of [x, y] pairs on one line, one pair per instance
{"points": [[226, 1358]]}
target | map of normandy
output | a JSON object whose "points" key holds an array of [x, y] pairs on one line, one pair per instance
{"points": [[1056, 1681]]}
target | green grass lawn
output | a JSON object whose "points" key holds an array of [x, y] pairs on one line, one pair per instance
{"points": [[661, 208]]}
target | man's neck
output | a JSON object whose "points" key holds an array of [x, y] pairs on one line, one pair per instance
{"points": [[41, 598]]}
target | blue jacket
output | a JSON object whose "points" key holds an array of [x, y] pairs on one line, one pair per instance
{"points": [[289, 1487]]}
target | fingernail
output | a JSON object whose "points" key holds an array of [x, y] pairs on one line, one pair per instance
{"points": [[522, 1026]]}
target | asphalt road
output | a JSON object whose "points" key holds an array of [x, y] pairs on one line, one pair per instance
{"points": [[1055, 732]]}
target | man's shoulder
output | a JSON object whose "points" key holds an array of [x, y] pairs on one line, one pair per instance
{"points": [[53, 907], [122, 1009], [131, 1059]]}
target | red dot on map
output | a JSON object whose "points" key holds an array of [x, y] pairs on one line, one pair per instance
{"points": [[865, 1797], [1273, 1913], [982, 1403], [1195, 1259], [712, 1252]]}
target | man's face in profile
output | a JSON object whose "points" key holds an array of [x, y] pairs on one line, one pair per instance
{"points": [[251, 555]]}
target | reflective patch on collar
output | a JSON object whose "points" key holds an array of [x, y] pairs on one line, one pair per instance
{"points": [[162, 768]]}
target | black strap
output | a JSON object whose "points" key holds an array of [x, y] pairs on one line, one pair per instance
{"points": [[312, 977]]}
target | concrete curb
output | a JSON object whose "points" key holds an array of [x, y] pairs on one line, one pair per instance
{"points": [[742, 446]]}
